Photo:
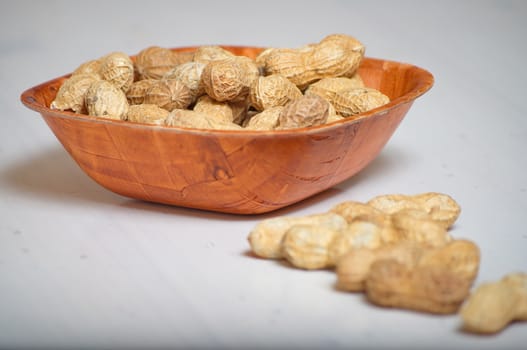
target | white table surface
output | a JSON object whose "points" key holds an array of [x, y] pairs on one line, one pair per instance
{"points": [[81, 267]]}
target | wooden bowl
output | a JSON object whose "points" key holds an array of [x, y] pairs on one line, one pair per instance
{"points": [[243, 172]]}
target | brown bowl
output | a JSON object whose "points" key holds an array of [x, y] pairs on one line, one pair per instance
{"points": [[243, 172]]}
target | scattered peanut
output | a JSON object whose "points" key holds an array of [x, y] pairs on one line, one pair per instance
{"points": [[266, 238], [417, 225], [351, 210], [493, 306], [431, 289], [354, 266], [437, 282], [458, 256], [441, 207], [306, 246], [370, 231]]}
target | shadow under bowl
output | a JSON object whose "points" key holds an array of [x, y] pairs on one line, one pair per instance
{"points": [[239, 171]]}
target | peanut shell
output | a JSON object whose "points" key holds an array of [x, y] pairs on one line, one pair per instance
{"points": [[355, 101], [89, 67], [266, 237], [72, 92], [437, 282], [118, 69], [306, 246], [146, 113], [271, 91], [137, 91], [494, 305], [336, 55], [266, 120], [354, 266], [153, 62], [189, 74], [104, 99], [169, 94], [329, 87], [225, 111], [291, 64], [191, 119], [441, 207], [303, 112], [225, 80], [206, 54]]}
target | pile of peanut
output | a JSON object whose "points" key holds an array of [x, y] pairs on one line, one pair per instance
{"points": [[397, 249], [211, 88]]}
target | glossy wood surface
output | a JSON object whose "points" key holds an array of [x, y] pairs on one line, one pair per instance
{"points": [[243, 172]]}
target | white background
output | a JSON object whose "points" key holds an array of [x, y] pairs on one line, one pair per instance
{"points": [[81, 267]]}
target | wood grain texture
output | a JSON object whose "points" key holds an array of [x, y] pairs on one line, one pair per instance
{"points": [[243, 172]]}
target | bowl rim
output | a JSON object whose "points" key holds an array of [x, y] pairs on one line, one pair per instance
{"points": [[425, 83]]}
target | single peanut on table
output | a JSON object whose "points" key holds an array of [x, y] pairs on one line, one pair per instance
{"points": [[266, 237], [494, 305], [441, 207], [412, 275], [354, 266], [306, 246], [427, 289]]}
